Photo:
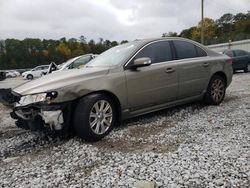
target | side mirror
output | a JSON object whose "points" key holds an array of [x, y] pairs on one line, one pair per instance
{"points": [[141, 62]]}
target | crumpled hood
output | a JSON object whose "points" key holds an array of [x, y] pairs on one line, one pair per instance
{"points": [[59, 80]]}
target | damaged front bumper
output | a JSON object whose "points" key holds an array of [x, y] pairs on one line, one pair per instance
{"points": [[38, 116]]}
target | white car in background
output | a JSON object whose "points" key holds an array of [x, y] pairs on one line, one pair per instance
{"points": [[35, 72], [77, 62], [73, 63], [11, 74]]}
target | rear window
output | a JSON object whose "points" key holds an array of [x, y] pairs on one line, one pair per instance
{"points": [[186, 50], [200, 52], [240, 53], [229, 53]]}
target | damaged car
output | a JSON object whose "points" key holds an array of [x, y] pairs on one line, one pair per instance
{"points": [[125, 81], [73, 63]]}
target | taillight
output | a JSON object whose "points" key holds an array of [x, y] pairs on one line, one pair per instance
{"points": [[230, 61]]}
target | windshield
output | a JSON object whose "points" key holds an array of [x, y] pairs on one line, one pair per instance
{"points": [[115, 56], [67, 63]]}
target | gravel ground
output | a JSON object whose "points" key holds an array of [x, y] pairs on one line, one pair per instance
{"points": [[188, 146]]}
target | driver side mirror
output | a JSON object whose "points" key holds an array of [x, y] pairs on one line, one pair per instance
{"points": [[141, 62]]}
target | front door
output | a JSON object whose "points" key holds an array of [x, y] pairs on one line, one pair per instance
{"points": [[155, 84]]}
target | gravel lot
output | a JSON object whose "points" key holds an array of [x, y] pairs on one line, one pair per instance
{"points": [[187, 146]]}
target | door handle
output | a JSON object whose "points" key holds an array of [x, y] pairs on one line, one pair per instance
{"points": [[206, 64], [169, 70]]}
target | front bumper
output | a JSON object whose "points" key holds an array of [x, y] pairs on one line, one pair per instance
{"points": [[38, 117]]}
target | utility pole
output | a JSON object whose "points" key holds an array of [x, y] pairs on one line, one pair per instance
{"points": [[202, 21]]}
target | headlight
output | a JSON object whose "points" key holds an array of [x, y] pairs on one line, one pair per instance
{"points": [[36, 98]]}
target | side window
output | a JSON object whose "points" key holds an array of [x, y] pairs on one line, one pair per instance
{"points": [[240, 53], [185, 49], [80, 62], [157, 52], [229, 53], [45, 67], [37, 68], [200, 52]]}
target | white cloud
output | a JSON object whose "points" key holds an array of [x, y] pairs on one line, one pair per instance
{"points": [[109, 19]]}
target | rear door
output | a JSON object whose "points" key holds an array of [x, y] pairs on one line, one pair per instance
{"points": [[155, 84], [194, 68]]}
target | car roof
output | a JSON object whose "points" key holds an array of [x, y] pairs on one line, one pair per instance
{"points": [[166, 38]]}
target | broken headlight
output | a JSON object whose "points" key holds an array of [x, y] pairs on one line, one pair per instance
{"points": [[36, 98]]}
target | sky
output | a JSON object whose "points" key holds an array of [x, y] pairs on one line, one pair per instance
{"points": [[108, 19]]}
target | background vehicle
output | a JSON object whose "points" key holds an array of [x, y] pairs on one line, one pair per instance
{"points": [[125, 81], [241, 59], [2, 75], [35, 72], [74, 63], [12, 74]]}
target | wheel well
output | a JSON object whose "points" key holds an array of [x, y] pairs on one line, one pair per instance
{"points": [[222, 74]]}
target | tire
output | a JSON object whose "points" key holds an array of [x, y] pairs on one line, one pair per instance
{"points": [[29, 76], [215, 91], [88, 111], [247, 68]]}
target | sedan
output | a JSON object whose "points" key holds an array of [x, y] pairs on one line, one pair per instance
{"points": [[35, 72], [241, 59], [128, 80]]}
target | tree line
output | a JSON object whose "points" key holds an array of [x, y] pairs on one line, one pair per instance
{"points": [[228, 27], [29, 52]]}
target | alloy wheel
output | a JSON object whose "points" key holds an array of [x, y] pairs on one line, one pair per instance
{"points": [[217, 90], [101, 116]]}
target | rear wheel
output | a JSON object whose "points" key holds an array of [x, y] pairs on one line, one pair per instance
{"points": [[216, 90], [94, 117], [29, 76], [247, 69]]}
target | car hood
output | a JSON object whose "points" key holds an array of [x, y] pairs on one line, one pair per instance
{"points": [[59, 80]]}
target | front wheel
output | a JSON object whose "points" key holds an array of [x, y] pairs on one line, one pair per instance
{"points": [[216, 90], [30, 77], [247, 69], [94, 117]]}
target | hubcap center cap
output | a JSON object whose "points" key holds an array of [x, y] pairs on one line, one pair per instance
{"points": [[100, 116]]}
